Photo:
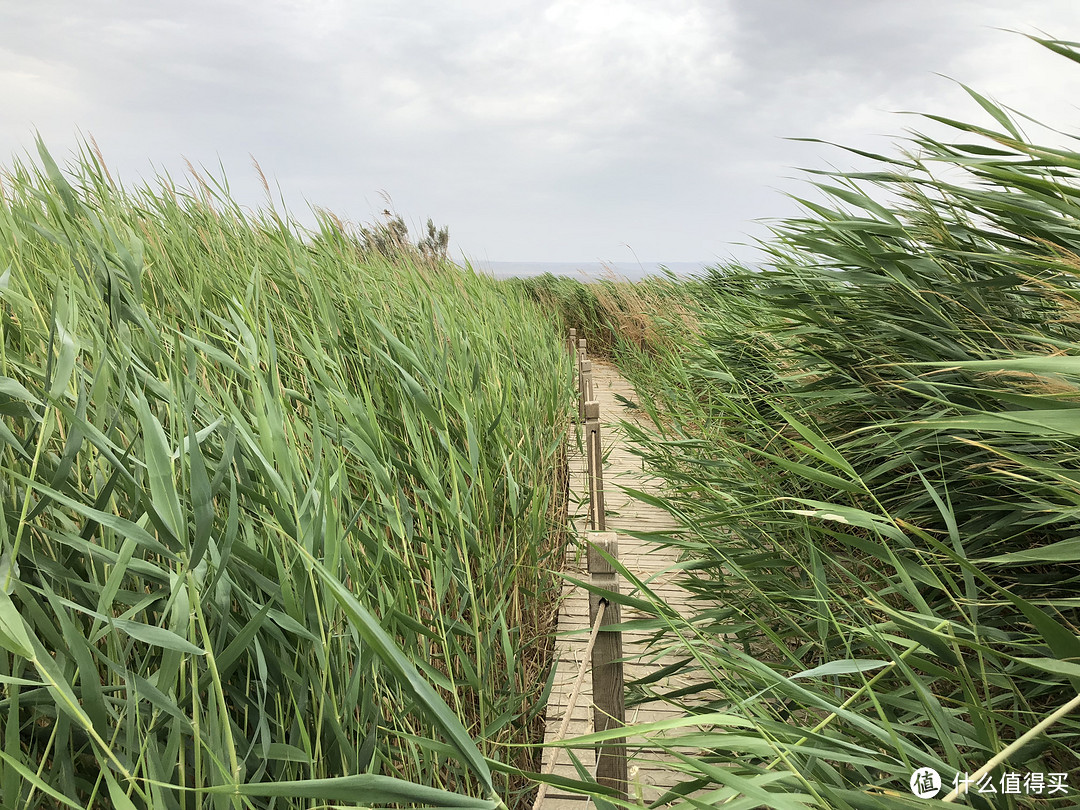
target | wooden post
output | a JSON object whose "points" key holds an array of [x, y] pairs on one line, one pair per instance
{"points": [[581, 385], [584, 386], [609, 708], [594, 458]]}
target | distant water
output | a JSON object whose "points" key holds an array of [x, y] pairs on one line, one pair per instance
{"points": [[587, 271]]}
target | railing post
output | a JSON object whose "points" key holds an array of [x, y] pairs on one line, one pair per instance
{"points": [[581, 383], [584, 386], [571, 342], [609, 708], [594, 458]]}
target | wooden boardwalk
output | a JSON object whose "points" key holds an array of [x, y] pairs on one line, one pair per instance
{"points": [[649, 773]]}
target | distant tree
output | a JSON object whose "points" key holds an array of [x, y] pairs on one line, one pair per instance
{"points": [[436, 244], [391, 238]]}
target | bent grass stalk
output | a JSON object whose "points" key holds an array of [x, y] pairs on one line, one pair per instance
{"points": [[1013, 747], [851, 700]]}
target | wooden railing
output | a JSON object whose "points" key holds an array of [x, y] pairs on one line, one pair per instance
{"points": [[606, 660]]}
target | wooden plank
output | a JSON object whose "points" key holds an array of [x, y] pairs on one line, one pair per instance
{"points": [[561, 802]]}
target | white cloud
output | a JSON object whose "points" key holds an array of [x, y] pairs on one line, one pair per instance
{"points": [[538, 129], [585, 74]]}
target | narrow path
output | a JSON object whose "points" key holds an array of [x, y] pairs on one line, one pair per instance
{"points": [[649, 774]]}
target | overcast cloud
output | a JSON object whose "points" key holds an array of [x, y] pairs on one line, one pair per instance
{"points": [[537, 130]]}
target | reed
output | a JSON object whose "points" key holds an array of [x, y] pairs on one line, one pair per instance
{"points": [[618, 316], [871, 447], [278, 508]]}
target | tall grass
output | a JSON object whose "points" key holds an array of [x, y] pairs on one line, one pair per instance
{"points": [[872, 450], [277, 509], [616, 316]]}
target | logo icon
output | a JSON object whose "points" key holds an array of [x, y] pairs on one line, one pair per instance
{"points": [[925, 783]]}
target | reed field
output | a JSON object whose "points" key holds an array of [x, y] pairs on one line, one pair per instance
{"points": [[872, 447], [283, 508], [280, 510], [649, 315]]}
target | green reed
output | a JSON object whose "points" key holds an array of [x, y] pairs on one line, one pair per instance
{"points": [[872, 447], [277, 509]]}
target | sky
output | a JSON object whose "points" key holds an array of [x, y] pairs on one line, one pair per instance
{"points": [[536, 130]]}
